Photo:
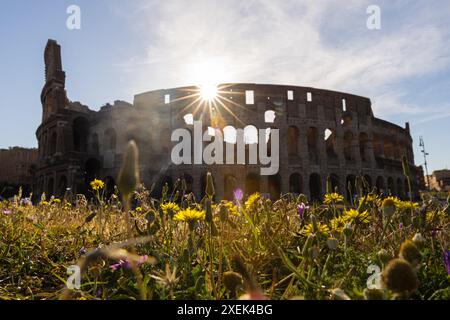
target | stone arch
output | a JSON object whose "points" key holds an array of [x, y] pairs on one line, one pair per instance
{"points": [[380, 184], [335, 186], [110, 185], [367, 183], [229, 185], [363, 146], [313, 150], [295, 183], [80, 131], [92, 168], [330, 145], [377, 145], [252, 183], [348, 151], [275, 186], [315, 187], [189, 182], [110, 139], [62, 186], [292, 140], [350, 186], [391, 185]]}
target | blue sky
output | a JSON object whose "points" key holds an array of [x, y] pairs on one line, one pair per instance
{"points": [[128, 47]]}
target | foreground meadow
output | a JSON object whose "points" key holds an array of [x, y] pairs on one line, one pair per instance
{"points": [[248, 248], [136, 247]]}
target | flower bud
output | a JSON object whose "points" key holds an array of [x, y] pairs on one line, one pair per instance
{"points": [[332, 243], [232, 280], [384, 256], [410, 253], [399, 277], [129, 173], [418, 239], [348, 230], [209, 185]]}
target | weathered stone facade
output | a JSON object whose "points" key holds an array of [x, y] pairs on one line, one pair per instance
{"points": [[17, 165], [440, 180], [77, 144]]}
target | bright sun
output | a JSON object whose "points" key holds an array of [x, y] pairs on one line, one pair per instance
{"points": [[208, 92]]}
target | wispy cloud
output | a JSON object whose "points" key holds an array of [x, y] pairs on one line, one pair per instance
{"points": [[314, 43]]}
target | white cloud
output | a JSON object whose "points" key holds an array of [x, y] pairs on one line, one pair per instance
{"points": [[312, 43]]}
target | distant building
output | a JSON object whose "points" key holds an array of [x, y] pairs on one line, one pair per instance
{"points": [[17, 165], [440, 180]]}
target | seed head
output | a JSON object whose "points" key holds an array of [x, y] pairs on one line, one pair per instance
{"points": [[129, 173], [399, 277]]}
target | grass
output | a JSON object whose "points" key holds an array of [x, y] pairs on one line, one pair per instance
{"points": [[253, 248]]}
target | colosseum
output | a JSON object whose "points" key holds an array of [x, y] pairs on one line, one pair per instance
{"points": [[322, 134]]}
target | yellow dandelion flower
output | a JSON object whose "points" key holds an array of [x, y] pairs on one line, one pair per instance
{"points": [[252, 200], [138, 209], [190, 215], [322, 229], [44, 203], [354, 216], [170, 207], [333, 198], [435, 215], [97, 184], [231, 207], [338, 224], [370, 199]]}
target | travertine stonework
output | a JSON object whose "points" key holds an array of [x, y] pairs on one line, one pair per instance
{"points": [[77, 144]]}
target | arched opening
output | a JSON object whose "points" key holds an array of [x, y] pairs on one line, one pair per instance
{"points": [[334, 180], [391, 185], [292, 141], [162, 182], [80, 134], [92, 169], [377, 145], [53, 143], [189, 183], [62, 186], [315, 187], [330, 144], [312, 138], [275, 186], [363, 146], [252, 183], [347, 120], [295, 183], [348, 152], [250, 134], [351, 187], [51, 187], [381, 186], [110, 184], [367, 183], [229, 185], [203, 182], [110, 139], [269, 116]]}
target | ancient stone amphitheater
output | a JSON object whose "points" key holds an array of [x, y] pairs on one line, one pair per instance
{"points": [[322, 134]]}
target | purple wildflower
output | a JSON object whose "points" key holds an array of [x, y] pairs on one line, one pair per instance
{"points": [[125, 264], [447, 260], [301, 209], [400, 226], [82, 251], [7, 212], [238, 195]]}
